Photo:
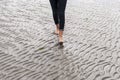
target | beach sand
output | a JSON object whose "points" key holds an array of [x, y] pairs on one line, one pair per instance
{"points": [[28, 49]]}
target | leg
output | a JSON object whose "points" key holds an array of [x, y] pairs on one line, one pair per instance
{"points": [[55, 14], [61, 14]]}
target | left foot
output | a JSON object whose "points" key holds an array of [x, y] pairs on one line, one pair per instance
{"points": [[57, 29], [56, 32]]}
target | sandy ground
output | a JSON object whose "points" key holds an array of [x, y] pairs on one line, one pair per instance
{"points": [[28, 49]]}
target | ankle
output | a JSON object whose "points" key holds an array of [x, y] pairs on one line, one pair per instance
{"points": [[60, 38]]}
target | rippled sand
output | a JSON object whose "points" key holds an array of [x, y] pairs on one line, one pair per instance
{"points": [[28, 49]]}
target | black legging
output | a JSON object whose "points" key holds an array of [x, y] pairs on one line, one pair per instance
{"points": [[58, 8]]}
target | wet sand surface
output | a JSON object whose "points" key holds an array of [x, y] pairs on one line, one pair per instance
{"points": [[28, 49]]}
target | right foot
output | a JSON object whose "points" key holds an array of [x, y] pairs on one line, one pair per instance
{"points": [[60, 39], [61, 45]]}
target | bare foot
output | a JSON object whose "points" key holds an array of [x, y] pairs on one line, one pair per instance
{"points": [[57, 29], [61, 38], [61, 42]]}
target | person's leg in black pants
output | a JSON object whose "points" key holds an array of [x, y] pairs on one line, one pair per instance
{"points": [[54, 5], [61, 13], [58, 8]]}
